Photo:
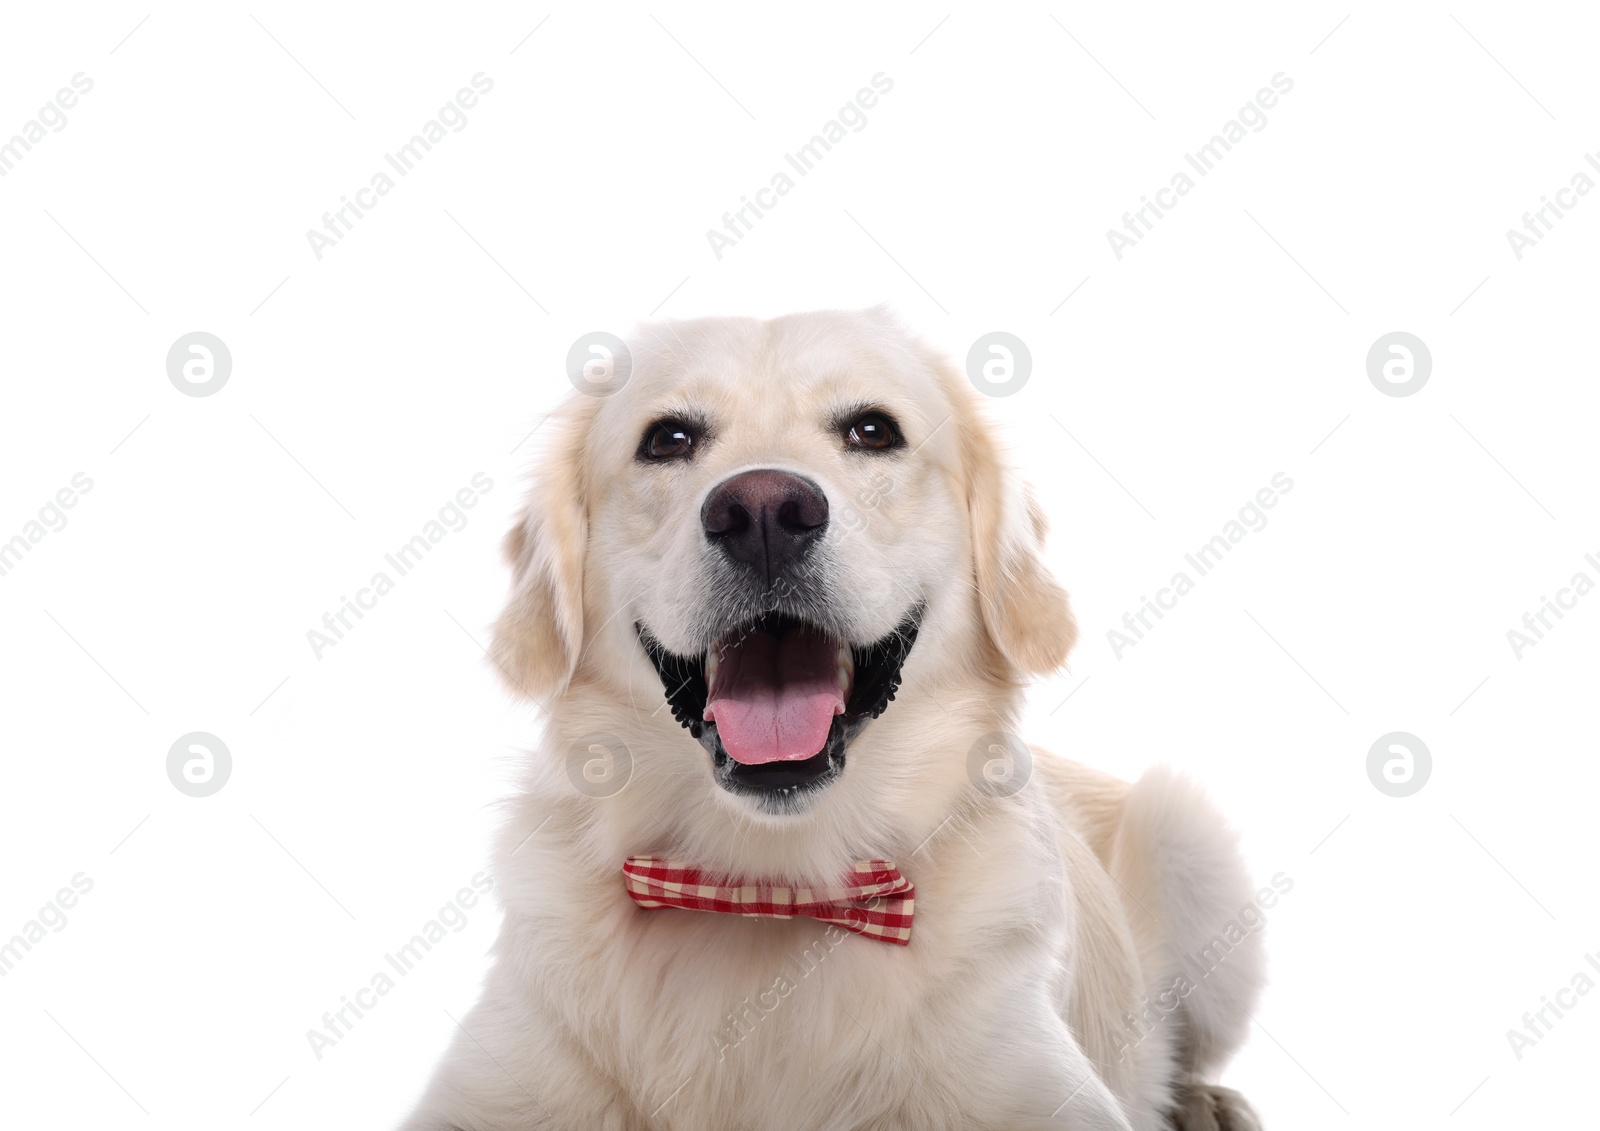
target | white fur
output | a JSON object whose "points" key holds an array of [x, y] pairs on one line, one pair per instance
{"points": [[1042, 918]]}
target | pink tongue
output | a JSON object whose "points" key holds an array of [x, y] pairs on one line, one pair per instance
{"points": [[774, 699]]}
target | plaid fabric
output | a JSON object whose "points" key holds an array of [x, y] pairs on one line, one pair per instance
{"points": [[873, 900]]}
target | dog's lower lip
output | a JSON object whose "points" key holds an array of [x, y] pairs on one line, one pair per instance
{"points": [[779, 775]]}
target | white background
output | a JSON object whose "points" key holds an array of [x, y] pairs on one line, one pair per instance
{"points": [[369, 386]]}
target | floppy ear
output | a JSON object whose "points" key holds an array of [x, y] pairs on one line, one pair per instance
{"points": [[539, 635], [1025, 610]]}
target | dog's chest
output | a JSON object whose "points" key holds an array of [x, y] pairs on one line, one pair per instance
{"points": [[796, 1023]]}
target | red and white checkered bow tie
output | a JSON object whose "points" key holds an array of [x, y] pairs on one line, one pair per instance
{"points": [[873, 900]]}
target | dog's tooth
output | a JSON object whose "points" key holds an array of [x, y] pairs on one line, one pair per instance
{"points": [[844, 678], [711, 665], [846, 660]]}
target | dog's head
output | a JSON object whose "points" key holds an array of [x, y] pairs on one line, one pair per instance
{"points": [[780, 532]]}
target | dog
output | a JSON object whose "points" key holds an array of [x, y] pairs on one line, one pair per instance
{"points": [[778, 595]]}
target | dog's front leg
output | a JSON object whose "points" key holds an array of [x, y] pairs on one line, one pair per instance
{"points": [[1041, 1080], [502, 1074], [1087, 1106], [1077, 1098]]}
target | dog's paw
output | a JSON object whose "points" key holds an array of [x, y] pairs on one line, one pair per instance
{"points": [[1208, 1107]]}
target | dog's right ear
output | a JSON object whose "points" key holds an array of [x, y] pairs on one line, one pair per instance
{"points": [[539, 636]]}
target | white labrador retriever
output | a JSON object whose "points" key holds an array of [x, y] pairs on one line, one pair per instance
{"points": [[779, 596]]}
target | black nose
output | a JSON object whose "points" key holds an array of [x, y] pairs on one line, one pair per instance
{"points": [[767, 520]]}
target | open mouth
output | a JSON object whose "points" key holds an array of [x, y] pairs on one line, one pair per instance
{"points": [[776, 701]]}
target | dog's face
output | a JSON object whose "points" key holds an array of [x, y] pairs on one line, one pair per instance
{"points": [[778, 517]]}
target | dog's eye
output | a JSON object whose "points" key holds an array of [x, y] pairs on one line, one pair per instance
{"points": [[667, 439], [873, 431]]}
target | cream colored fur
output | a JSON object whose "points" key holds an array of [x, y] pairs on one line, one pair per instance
{"points": [[1043, 919]]}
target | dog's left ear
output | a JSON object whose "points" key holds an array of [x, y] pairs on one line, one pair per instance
{"points": [[1024, 608], [539, 636]]}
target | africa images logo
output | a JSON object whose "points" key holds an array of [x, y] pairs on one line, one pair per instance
{"points": [[339, 222], [1140, 222], [740, 222], [52, 114]]}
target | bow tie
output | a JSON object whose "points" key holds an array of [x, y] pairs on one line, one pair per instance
{"points": [[874, 899]]}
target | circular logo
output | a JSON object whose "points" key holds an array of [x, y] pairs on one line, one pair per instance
{"points": [[848, 520], [199, 764], [1399, 764], [999, 364], [999, 764], [599, 765], [198, 364], [1399, 364], [599, 364]]}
